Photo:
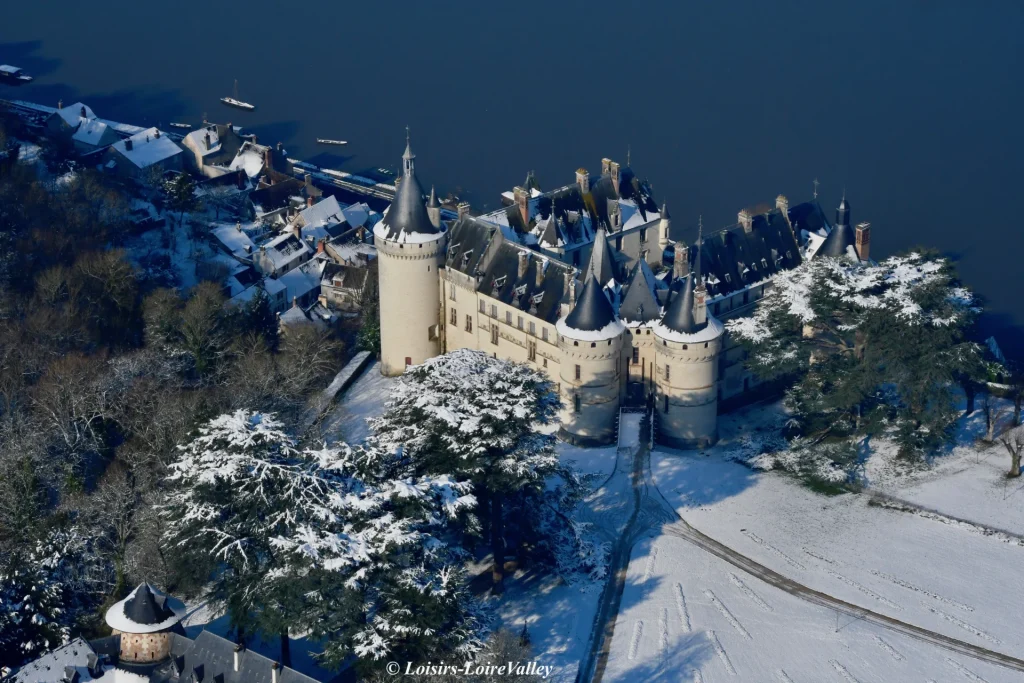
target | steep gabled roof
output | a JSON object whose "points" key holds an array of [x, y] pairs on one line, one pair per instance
{"points": [[592, 311], [640, 303]]}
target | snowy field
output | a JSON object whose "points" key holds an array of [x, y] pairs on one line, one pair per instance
{"points": [[364, 399], [922, 571]]}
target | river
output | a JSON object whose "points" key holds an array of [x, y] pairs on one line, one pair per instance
{"points": [[913, 107]]}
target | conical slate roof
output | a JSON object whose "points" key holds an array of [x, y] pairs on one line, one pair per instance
{"points": [[838, 241], [602, 259], [679, 315], [640, 304], [145, 610], [432, 202], [593, 311], [408, 213]]}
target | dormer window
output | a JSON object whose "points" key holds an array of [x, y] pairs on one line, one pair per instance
{"points": [[499, 282], [521, 290], [728, 278], [764, 263]]}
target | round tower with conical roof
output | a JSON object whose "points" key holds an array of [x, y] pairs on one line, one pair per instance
{"points": [[145, 621], [590, 342], [688, 342], [410, 250]]}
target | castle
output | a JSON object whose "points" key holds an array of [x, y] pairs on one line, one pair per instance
{"points": [[585, 283]]}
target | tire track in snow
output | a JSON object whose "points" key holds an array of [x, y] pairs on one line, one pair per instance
{"points": [[964, 625], [720, 651], [820, 558], [727, 614], [698, 677], [768, 546], [754, 597], [663, 628], [893, 652], [634, 643], [783, 676], [684, 614], [909, 586], [865, 590], [651, 559], [965, 672], [843, 671]]}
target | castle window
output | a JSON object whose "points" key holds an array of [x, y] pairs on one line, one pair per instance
{"points": [[576, 403], [408, 361], [643, 236], [593, 344], [519, 323], [685, 347], [764, 263], [705, 345], [455, 317], [544, 333], [451, 292], [428, 269], [575, 343], [533, 328], [494, 334], [469, 323], [494, 311], [666, 372], [544, 362], [666, 404], [508, 317], [728, 278], [636, 355], [643, 254], [531, 351], [483, 306], [577, 372]]}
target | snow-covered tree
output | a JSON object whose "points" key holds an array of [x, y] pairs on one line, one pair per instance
{"points": [[1013, 440], [45, 592], [472, 416], [873, 347], [309, 539]]}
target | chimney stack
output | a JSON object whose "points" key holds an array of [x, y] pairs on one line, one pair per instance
{"points": [[572, 290], [309, 201], [664, 226], [238, 226], [295, 304], [524, 263], [297, 230], [279, 146], [522, 199], [782, 204], [746, 220], [613, 172], [275, 676], [681, 263], [82, 111], [606, 166], [206, 138], [542, 265], [583, 179], [320, 245], [128, 144], [463, 209], [863, 241], [268, 160], [238, 657], [60, 104]]}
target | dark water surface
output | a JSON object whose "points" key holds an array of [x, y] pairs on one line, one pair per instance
{"points": [[914, 106]]}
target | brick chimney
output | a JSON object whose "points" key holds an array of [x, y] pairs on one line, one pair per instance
{"points": [[268, 160], [863, 241], [782, 204], [463, 209], [522, 199], [613, 172], [297, 230], [128, 144], [681, 263], [320, 245], [542, 266], [524, 263], [583, 179], [606, 166], [746, 220], [206, 138]]}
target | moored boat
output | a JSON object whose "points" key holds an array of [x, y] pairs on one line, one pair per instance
{"points": [[326, 141], [13, 75]]}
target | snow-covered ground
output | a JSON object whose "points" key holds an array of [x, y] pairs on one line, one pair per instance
{"points": [[935, 575], [364, 399]]}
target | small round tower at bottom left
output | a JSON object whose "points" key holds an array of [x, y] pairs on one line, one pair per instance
{"points": [[591, 381]]}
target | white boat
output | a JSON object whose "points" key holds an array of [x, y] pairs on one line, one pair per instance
{"points": [[13, 74], [235, 102], [181, 125], [325, 141]]}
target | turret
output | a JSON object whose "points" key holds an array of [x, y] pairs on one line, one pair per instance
{"points": [[688, 342], [841, 241], [590, 340], [664, 226], [145, 621], [434, 209], [410, 250]]}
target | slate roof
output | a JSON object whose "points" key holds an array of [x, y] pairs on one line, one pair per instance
{"points": [[148, 147], [408, 212], [592, 311], [51, 667], [679, 315], [640, 302], [147, 606], [842, 236], [211, 656], [734, 258], [602, 262]]}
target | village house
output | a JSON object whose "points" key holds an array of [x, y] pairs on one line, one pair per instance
{"points": [[144, 155], [342, 286], [66, 120], [93, 135]]}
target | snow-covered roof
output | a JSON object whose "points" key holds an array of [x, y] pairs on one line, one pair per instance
{"points": [[324, 212], [249, 160], [303, 279], [356, 214], [50, 667], [611, 330], [148, 147], [713, 330], [236, 241], [72, 114], [285, 249], [145, 610], [197, 139], [90, 132]]}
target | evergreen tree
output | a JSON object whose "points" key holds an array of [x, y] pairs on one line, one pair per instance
{"points": [[312, 540], [868, 348], [181, 195], [369, 331], [258, 317], [471, 416]]}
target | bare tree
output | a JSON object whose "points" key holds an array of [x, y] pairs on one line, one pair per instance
{"points": [[1013, 439], [994, 413]]}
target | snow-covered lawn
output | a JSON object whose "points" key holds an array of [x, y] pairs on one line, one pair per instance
{"points": [[364, 399], [918, 570]]}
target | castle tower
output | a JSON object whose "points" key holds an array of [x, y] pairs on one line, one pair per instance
{"points": [[688, 342], [663, 229], [145, 621], [590, 342], [434, 209], [410, 249]]}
